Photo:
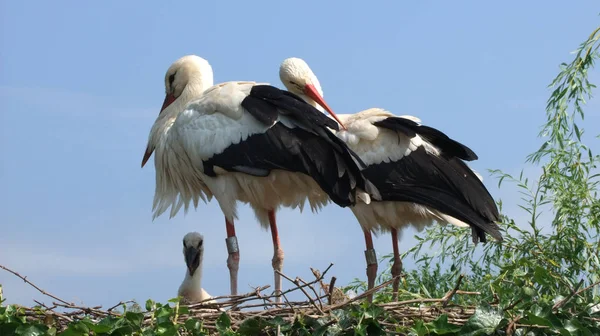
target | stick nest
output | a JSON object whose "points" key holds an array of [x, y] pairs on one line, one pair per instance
{"points": [[322, 302]]}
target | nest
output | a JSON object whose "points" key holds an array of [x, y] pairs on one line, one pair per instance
{"points": [[322, 300]]}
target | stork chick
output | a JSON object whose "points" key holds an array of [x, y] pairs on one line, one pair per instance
{"points": [[193, 251]]}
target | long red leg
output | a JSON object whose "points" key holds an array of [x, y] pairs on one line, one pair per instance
{"points": [[371, 258], [396, 266], [277, 261], [233, 260]]}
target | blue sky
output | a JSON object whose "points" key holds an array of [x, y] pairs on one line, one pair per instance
{"points": [[81, 84]]}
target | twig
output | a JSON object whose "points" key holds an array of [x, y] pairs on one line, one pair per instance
{"points": [[512, 305], [301, 287], [34, 286], [288, 303], [422, 300], [565, 300], [51, 312], [317, 296], [310, 283], [363, 295], [451, 293], [588, 287], [119, 304], [233, 298], [331, 288]]}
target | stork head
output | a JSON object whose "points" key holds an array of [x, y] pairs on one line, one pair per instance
{"points": [[298, 78], [193, 250], [185, 79], [187, 70]]}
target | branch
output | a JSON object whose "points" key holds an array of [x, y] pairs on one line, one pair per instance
{"points": [[565, 300], [24, 278], [301, 287], [451, 293], [363, 295], [330, 289]]}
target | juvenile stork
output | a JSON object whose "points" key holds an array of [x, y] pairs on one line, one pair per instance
{"points": [[193, 252], [248, 142], [418, 170]]}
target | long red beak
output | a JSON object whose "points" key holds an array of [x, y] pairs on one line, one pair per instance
{"points": [[312, 92], [169, 99]]}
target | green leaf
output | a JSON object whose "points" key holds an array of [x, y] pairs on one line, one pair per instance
{"points": [[538, 320], [183, 310], [484, 322], [193, 324], [167, 331], [223, 322], [440, 326], [420, 328], [149, 305], [251, 326], [104, 326], [528, 291], [76, 329], [31, 330], [8, 328], [135, 318], [174, 300]]}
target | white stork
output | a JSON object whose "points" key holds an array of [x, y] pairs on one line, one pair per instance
{"points": [[248, 142], [193, 251], [418, 170]]}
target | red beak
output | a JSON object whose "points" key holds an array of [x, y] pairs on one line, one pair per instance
{"points": [[169, 99], [312, 92]]}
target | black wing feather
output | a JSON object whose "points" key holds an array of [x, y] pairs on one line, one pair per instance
{"points": [[437, 138], [303, 114], [442, 182], [311, 148], [293, 107]]}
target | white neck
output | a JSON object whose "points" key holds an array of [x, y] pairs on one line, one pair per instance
{"points": [[191, 287], [193, 281]]}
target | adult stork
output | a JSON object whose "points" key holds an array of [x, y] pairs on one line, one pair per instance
{"points": [[248, 142], [418, 170]]}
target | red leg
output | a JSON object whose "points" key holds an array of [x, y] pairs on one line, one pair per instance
{"points": [[277, 261], [233, 261], [371, 258], [396, 266]]}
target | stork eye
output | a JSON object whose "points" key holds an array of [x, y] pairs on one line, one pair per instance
{"points": [[171, 79], [184, 246], [200, 244], [293, 83]]}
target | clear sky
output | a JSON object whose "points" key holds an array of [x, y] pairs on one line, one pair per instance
{"points": [[82, 82]]}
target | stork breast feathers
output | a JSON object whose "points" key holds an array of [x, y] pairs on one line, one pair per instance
{"points": [[215, 121]]}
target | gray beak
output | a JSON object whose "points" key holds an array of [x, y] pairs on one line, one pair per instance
{"points": [[192, 259]]}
